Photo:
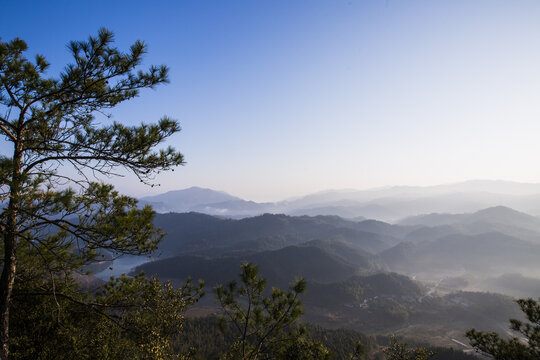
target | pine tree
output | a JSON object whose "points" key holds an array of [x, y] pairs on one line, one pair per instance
{"points": [[524, 348], [51, 221], [265, 327], [402, 351]]}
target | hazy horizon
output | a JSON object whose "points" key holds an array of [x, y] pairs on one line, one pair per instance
{"points": [[286, 98], [329, 190]]}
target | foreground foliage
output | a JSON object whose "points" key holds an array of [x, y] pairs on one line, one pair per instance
{"points": [[204, 335], [129, 318], [265, 327], [402, 351], [526, 347]]}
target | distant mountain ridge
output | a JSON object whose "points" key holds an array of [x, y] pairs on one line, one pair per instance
{"points": [[494, 219], [387, 204], [187, 199], [486, 253], [496, 214]]}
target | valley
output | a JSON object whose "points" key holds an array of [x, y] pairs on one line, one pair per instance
{"points": [[425, 277]]}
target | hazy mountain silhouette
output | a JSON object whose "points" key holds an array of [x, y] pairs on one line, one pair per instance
{"points": [[515, 285], [423, 233], [351, 210], [486, 254], [236, 208], [187, 199], [387, 204], [496, 215], [496, 219], [410, 192]]}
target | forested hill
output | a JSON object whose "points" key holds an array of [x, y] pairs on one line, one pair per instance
{"points": [[490, 242], [204, 234], [314, 261]]}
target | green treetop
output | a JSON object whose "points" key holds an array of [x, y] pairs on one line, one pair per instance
{"points": [[265, 327]]}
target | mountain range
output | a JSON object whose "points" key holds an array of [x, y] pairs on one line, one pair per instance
{"points": [[369, 275], [409, 260], [389, 204], [195, 233], [490, 242], [352, 266]]}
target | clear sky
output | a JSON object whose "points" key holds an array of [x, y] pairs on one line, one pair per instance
{"points": [[283, 98]]}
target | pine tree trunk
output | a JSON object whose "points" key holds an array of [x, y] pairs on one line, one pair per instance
{"points": [[6, 287], [7, 279]]}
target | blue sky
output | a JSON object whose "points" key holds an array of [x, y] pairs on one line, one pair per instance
{"points": [[282, 98]]}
